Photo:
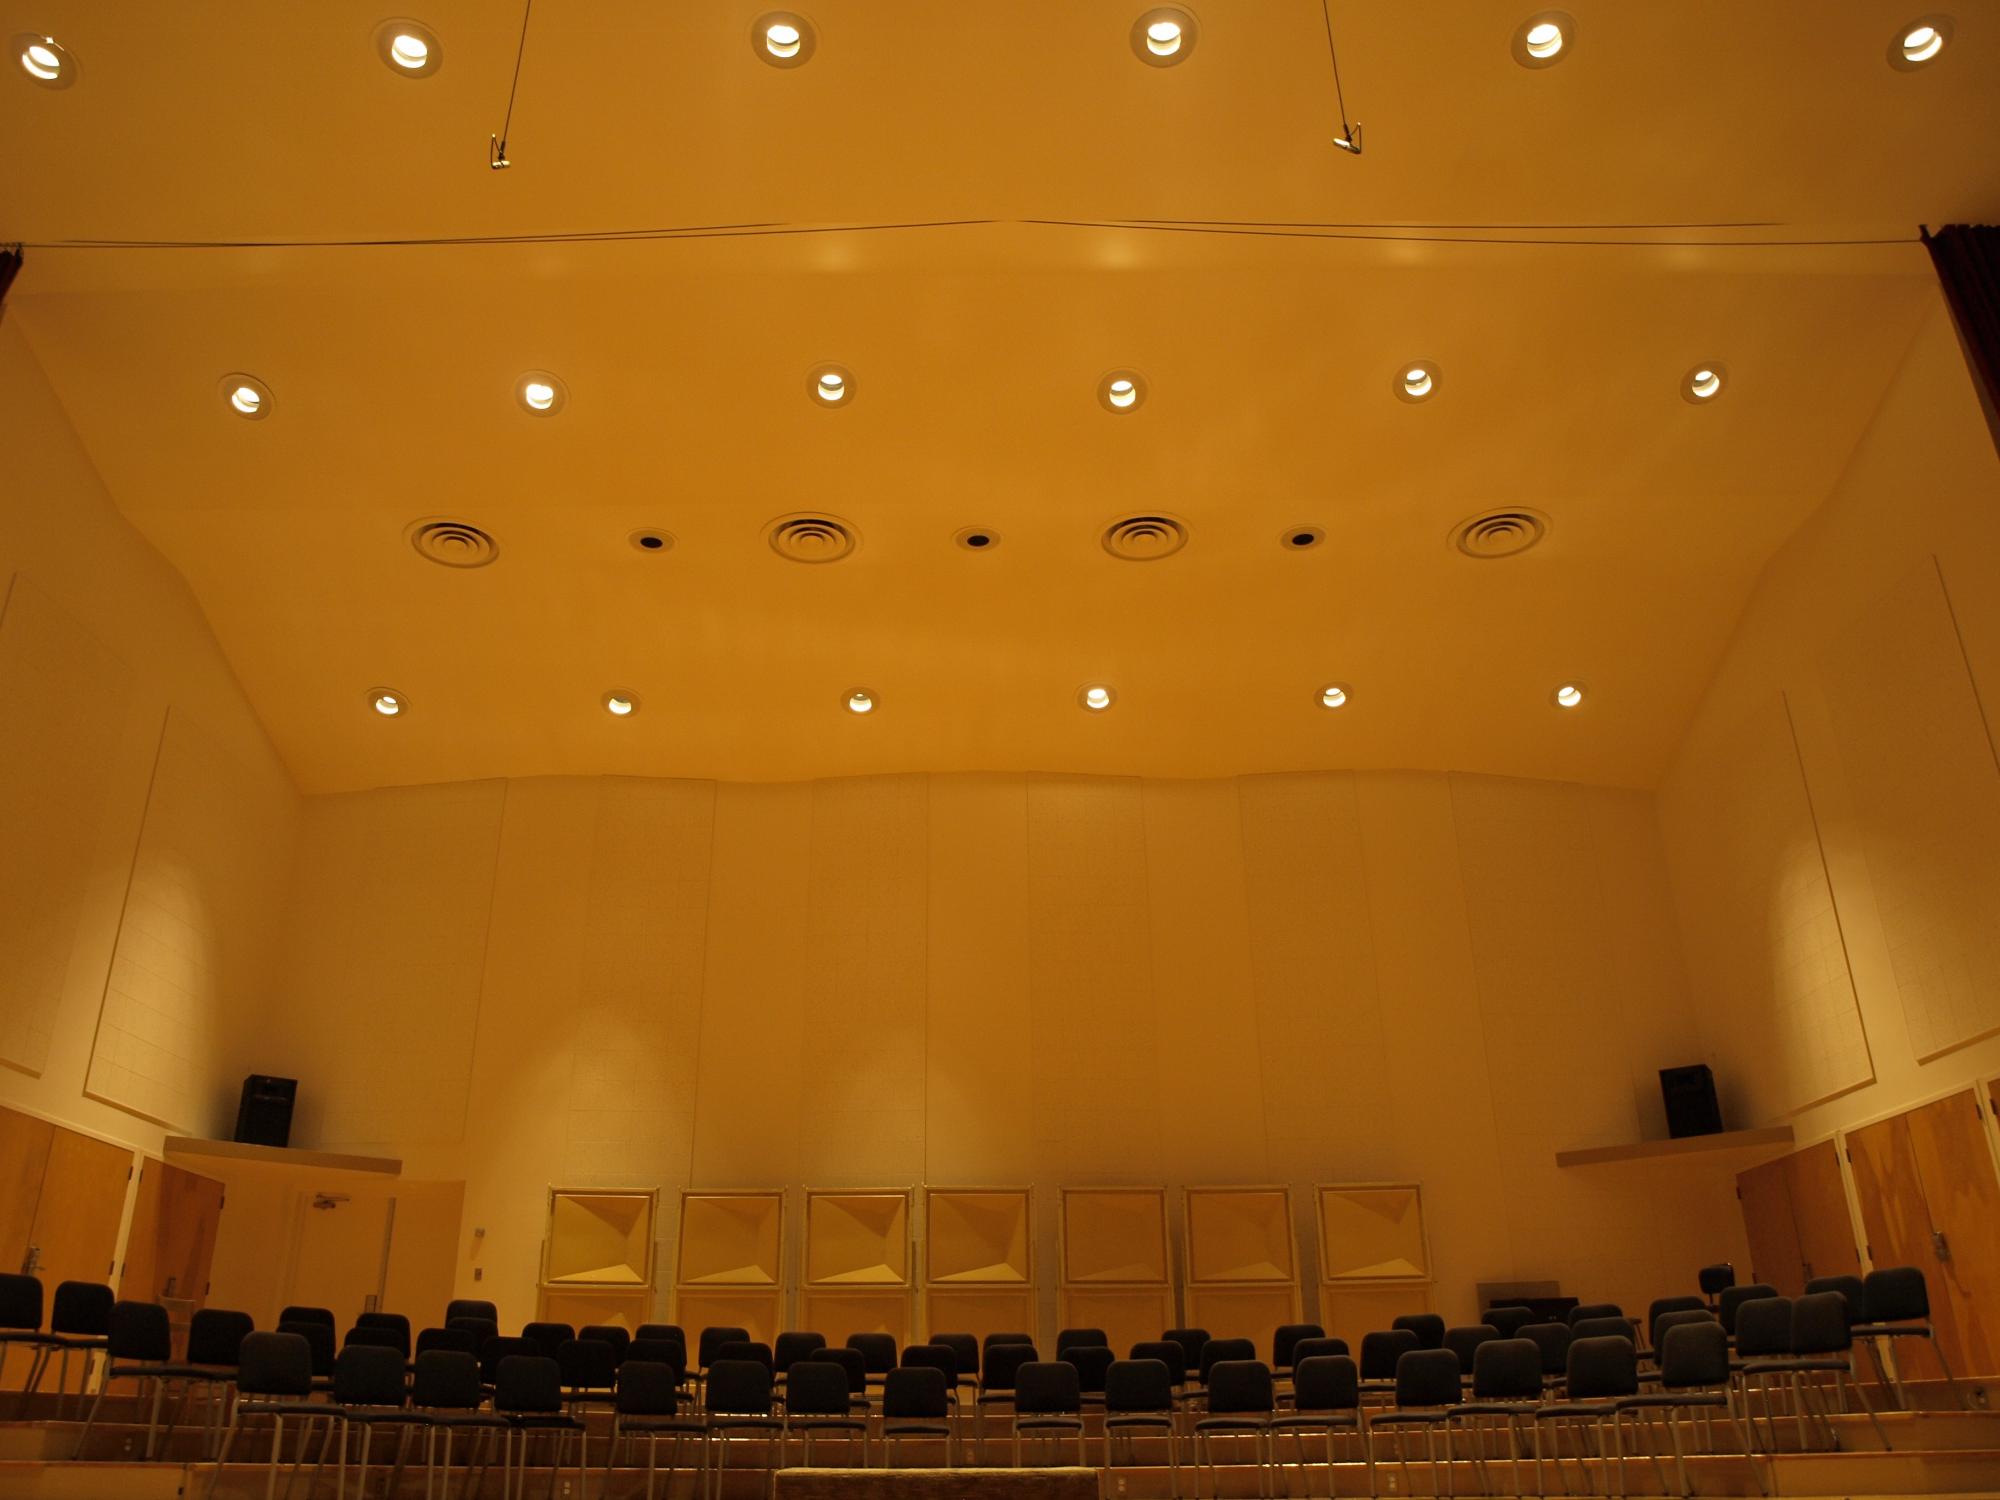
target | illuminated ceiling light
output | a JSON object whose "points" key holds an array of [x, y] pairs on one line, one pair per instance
{"points": [[832, 386], [860, 701], [540, 393], [1703, 383], [1121, 390], [387, 702], [1333, 695], [1569, 695], [782, 38], [246, 396], [1164, 36], [1919, 42], [409, 48], [1416, 381], [46, 61], [621, 703], [1544, 39], [1097, 697]]}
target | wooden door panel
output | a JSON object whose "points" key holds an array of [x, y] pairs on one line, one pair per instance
{"points": [[1894, 1215], [172, 1241], [1765, 1196], [343, 1252], [82, 1204], [1962, 1190], [24, 1157], [1819, 1212]]}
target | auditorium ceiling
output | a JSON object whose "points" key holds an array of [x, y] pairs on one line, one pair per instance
{"points": [[979, 214]]}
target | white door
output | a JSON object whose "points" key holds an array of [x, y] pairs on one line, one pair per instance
{"points": [[343, 1254]]}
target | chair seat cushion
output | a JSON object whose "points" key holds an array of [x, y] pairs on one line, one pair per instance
{"points": [[719, 1420], [379, 1417], [644, 1425], [1494, 1409], [1576, 1409], [1890, 1330], [1672, 1398], [258, 1407], [1048, 1420], [466, 1419], [916, 1429], [1317, 1419], [542, 1421], [79, 1341], [1232, 1424], [828, 1424], [1789, 1366], [1123, 1420], [1394, 1418]]}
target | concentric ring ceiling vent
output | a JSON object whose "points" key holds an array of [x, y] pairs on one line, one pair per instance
{"points": [[813, 538], [455, 544], [1145, 538], [1500, 533]]}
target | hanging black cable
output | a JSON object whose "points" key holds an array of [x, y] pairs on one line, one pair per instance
{"points": [[1349, 139], [496, 145]]}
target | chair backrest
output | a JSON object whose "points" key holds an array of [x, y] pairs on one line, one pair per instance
{"points": [[1668, 1322], [1819, 1324], [669, 1352], [748, 1349], [82, 1309], [1192, 1342], [215, 1337], [1764, 1328], [362, 1337], [319, 1343], [789, 1348], [1381, 1349], [1585, 1310], [1003, 1362], [471, 1307], [1092, 1361], [739, 1388], [1318, 1348], [138, 1332], [1896, 1294], [1464, 1341], [851, 1364], [369, 1375], [1428, 1327], [1427, 1377], [445, 1380], [548, 1337], [816, 1388], [1715, 1279], [608, 1333], [964, 1351], [713, 1339], [1734, 1297], [933, 1356], [1509, 1317], [1601, 1367], [1215, 1351], [1507, 1370], [1047, 1385], [274, 1364], [1851, 1288], [1285, 1342], [449, 1340], [481, 1329], [1661, 1306], [877, 1349], [1694, 1354], [1605, 1328], [648, 1388], [915, 1393], [1325, 1382], [1553, 1339], [1140, 1384], [1240, 1386], [529, 1384], [310, 1315], [1006, 1338], [587, 1364], [386, 1320], [1079, 1338], [499, 1348], [1167, 1352], [658, 1333]]}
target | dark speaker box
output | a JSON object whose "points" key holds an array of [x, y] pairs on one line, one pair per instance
{"points": [[264, 1117], [1690, 1099]]}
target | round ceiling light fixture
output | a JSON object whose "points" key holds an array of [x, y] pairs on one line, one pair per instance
{"points": [[1164, 35], [409, 49], [977, 538], [1096, 697], [1919, 42], [246, 396], [783, 38], [1416, 381], [832, 386], [1703, 383], [1569, 695], [621, 703], [652, 540], [45, 60], [1300, 538], [387, 702], [1544, 39], [1121, 390], [1333, 695], [540, 393], [859, 701]]}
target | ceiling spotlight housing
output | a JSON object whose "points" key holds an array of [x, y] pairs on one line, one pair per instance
{"points": [[1096, 697], [1300, 538], [1544, 39], [1569, 695], [831, 386], [1416, 381], [1703, 383], [652, 541], [1919, 43], [246, 396], [783, 38], [409, 49], [1164, 35], [1121, 390], [540, 393], [977, 538], [1333, 695], [387, 702], [621, 703], [858, 701], [45, 60]]}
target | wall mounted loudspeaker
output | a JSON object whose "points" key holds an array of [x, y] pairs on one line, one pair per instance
{"points": [[264, 1117], [1690, 1099]]}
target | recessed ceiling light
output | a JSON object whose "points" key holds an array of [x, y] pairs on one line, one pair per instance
{"points": [[1703, 383], [652, 539], [783, 38], [1097, 697], [859, 701], [1544, 39], [977, 538], [621, 703], [1569, 695], [832, 386], [1333, 695], [246, 396], [387, 702], [1416, 381], [409, 48], [1164, 35], [45, 60], [1121, 390], [1919, 42], [541, 394], [1299, 538]]}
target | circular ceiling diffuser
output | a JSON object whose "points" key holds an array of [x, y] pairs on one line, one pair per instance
{"points": [[1500, 533], [813, 538], [1145, 538], [454, 544]]}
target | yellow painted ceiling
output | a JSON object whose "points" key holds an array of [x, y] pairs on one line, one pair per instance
{"points": [[975, 348]]}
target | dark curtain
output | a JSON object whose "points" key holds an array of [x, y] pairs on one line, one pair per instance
{"points": [[1967, 258], [10, 262]]}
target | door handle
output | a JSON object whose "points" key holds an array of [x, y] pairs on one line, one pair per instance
{"points": [[1941, 1246], [33, 1263]]}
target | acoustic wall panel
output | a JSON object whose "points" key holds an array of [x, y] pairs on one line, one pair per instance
{"points": [[1372, 1233], [1114, 1235], [1240, 1235], [1920, 758], [977, 1236], [599, 1239], [857, 1239], [730, 1239], [69, 698]]}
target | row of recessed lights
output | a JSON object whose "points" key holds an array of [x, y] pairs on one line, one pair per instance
{"points": [[1160, 37], [542, 394], [1093, 697]]}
